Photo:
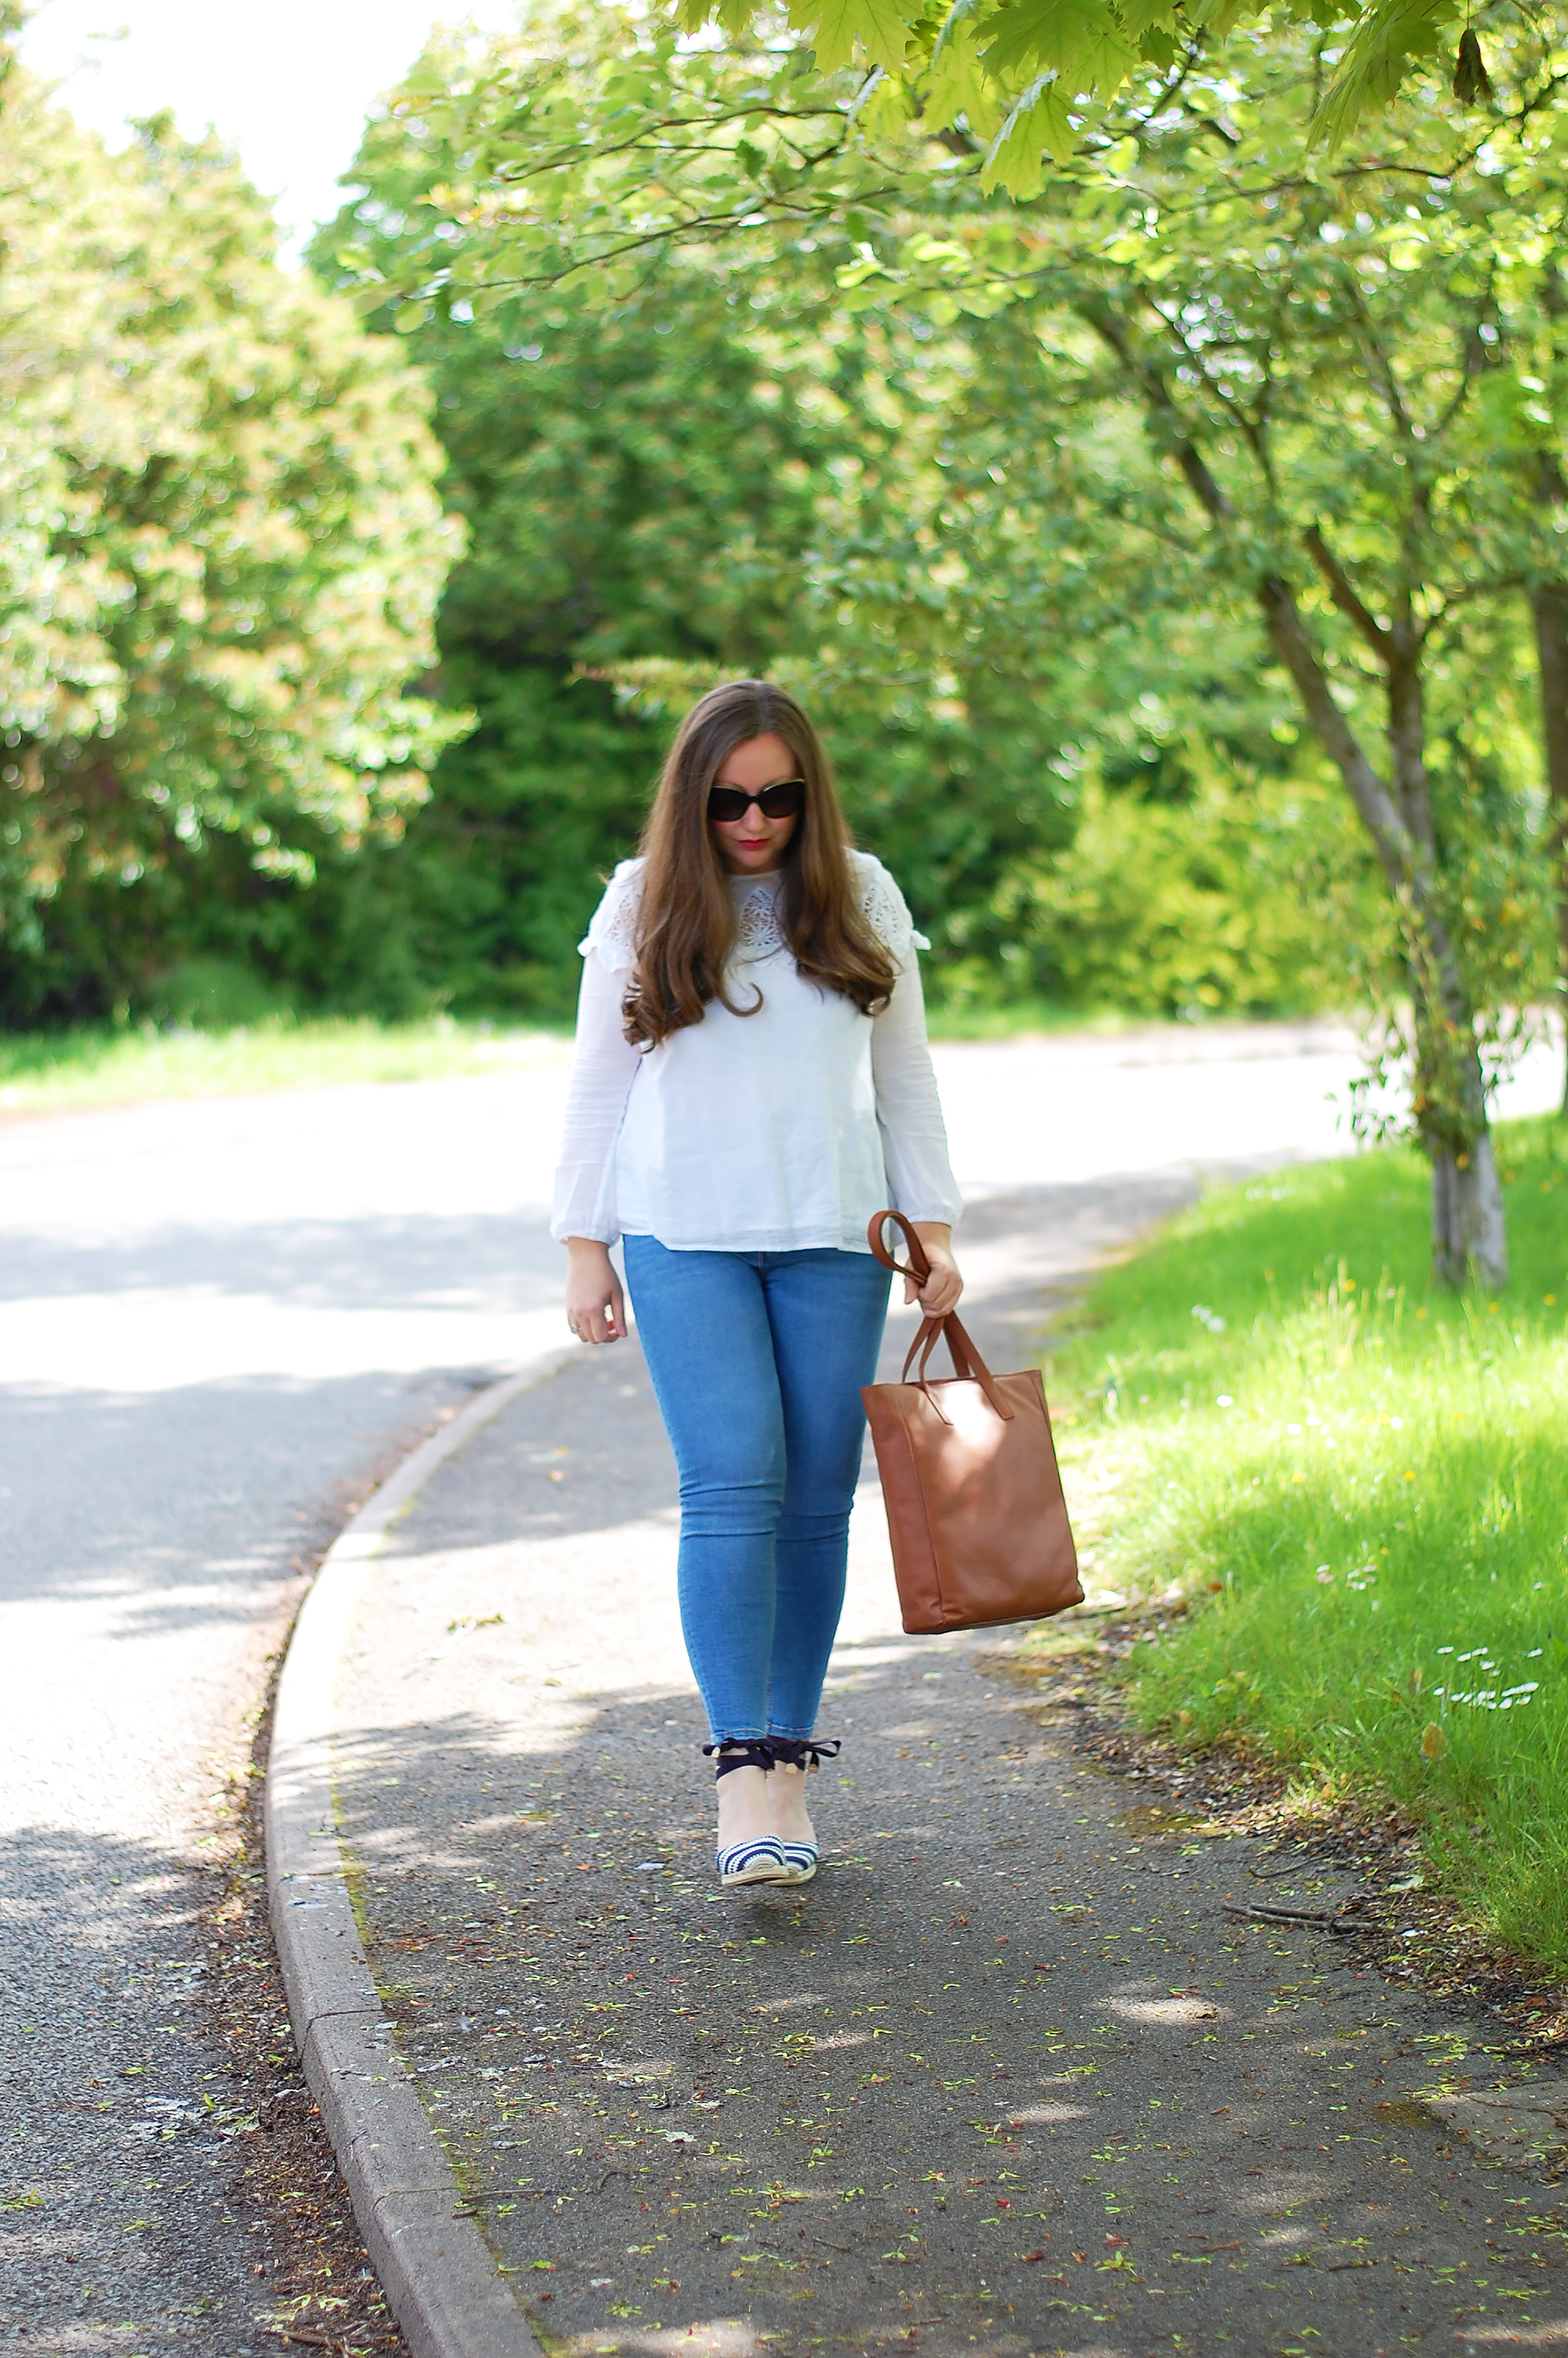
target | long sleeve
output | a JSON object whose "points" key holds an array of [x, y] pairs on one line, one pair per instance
{"points": [[603, 1073], [914, 1138]]}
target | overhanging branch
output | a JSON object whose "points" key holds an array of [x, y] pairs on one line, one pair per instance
{"points": [[1344, 593]]}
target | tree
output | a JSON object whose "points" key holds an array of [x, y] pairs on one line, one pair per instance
{"points": [[1214, 865], [630, 485], [220, 551], [693, 479], [1309, 396], [1305, 350], [708, 472]]}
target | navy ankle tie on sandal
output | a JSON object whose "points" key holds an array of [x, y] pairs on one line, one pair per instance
{"points": [[740, 1752], [803, 1751], [769, 1858], [806, 1753], [762, 1860]]}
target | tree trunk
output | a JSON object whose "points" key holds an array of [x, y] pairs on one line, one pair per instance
{"points": [[1468, 1227], [1469, 1235], [1549, 608]]}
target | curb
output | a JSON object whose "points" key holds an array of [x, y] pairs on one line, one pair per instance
{"points": [[437, 2270]]}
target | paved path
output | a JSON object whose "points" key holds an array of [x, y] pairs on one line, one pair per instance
{"points": [[219, 1318], [1006, 2079]]}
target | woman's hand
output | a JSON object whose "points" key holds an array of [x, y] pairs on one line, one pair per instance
{"points": [[596, 1307], [941, 1290]]}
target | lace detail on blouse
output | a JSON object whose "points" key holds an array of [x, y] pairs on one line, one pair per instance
{"points": [[612, 934], [758, 934], [886, 908]]}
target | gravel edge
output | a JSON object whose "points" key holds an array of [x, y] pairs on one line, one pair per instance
{"points": [[438, 2273]]}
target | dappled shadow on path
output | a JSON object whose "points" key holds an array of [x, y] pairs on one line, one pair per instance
{"points": [[1005, 2078]]}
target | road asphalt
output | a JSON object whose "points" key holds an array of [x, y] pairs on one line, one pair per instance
{"points": [[221, 1319], [984, 2087]]}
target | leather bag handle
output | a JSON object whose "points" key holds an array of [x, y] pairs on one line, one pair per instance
{"points": [[967, 1364], [919, 1268]]}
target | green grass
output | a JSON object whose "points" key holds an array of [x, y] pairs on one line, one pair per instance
{"points": [[42, 1072], [1363, 1487], [46, 1072], [970, 1019]]}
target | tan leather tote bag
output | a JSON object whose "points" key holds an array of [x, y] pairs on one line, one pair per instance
{"points": [[974, 1500]]}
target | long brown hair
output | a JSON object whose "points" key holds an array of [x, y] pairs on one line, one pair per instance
{"points": [[686, 924]]}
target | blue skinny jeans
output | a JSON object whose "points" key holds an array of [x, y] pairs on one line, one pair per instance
{"points": [[757, 1361]]}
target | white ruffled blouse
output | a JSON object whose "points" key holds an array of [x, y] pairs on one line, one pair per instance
{"points": [[768, 1132]]}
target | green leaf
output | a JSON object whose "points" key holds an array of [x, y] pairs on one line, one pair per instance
{"points": [[957, 87], [960, 18], [733, 16], [1219, 18], [885, 107], [879, 26], [1079, 41], [855, 273], [1039, 125], [1140, 17], [1389, 37]]}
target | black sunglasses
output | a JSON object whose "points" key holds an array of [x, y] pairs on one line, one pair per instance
{"points": [[785, 800]]}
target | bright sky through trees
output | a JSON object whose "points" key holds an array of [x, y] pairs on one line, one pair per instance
{"points": [[289, 86]]}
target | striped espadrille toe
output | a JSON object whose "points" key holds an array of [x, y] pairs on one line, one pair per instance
{"points": [[760, 1861], [801, 1861]]}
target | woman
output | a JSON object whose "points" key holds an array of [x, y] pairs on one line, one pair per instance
{"points": [[751, 1086]]}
